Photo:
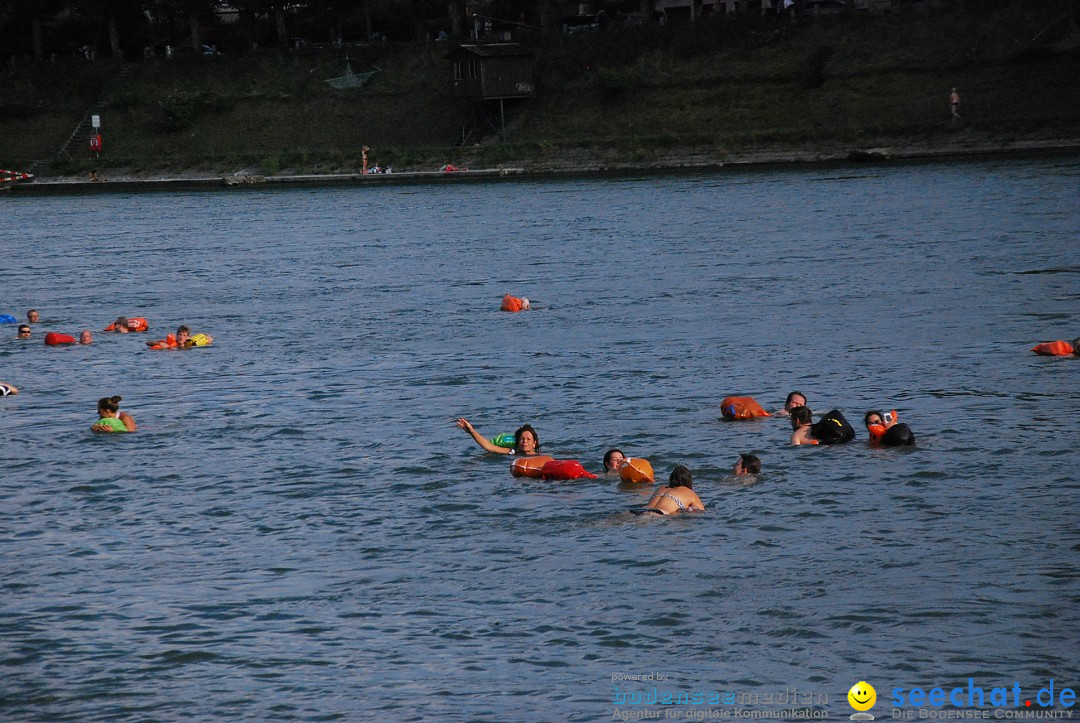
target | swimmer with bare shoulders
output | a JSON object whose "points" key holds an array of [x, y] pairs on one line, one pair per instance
{"points": [[677, 496], [801, 419], [526, 440]]}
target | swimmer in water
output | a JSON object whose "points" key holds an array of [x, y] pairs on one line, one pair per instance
{"points": [[120, 326], [24, 331], [614, 459], [177, 342], [884, 429], [86, 337], [33, 316], [801, 419], [794, 399], [110, 418], [6, 390], [746, 464], [526, 440], [678, 496]]}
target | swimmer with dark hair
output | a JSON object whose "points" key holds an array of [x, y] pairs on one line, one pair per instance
{"points": [[110, 418], [677, 496], [801, 419], [526, 440], [7, 390], [794, 399], [885, 430], [614, 459], [746, 464]]}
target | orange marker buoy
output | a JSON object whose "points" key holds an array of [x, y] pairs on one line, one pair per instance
{"points": [[135, 323], [513, 304], [529, 466], [741, 408], [637, 469], [169, 342], [1054, 348]]}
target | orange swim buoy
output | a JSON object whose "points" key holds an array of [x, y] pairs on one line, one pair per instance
{"points": [[169, 342], [741, 408], [1054, 348], [513, 304], [55, 339], [637, 469], [529, 466], [135, 323]]}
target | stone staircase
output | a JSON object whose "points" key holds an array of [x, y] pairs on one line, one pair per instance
{"points": [[78, 142]]}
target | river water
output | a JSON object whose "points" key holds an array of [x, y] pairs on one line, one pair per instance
{"points": [[298, 531]]}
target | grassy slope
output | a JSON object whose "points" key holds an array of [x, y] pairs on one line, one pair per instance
{"points": [[725, 86]]}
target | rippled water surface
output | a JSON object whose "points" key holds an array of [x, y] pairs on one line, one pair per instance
{"points": [[297, 530]]}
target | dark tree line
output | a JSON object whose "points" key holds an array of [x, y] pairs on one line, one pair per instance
{"points": [[40, 29]]}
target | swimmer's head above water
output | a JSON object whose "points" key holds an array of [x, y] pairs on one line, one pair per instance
{"points": [[681, 477], [614, 459], [526, 440]]}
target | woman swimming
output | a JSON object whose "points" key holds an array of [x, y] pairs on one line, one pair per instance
{"points": [[614, 459], [678, 496], [526, 440], [110, 418]]}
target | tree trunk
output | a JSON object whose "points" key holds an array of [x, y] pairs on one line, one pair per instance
{"points": [[545, 15], [279, 18], [367, 18], [39, 46], [114, 39], [457, 19], [193, 21], [648, 9]]}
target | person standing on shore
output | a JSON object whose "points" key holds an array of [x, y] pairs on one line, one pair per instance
{"points": [[954, 105]]}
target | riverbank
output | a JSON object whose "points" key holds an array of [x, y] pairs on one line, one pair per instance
{"points": [[575, 163], [721, 92]]}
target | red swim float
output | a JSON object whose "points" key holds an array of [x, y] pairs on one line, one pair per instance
{"points": [[135, 323], [741, 408], [565, 469], [1054, 348], [56, 339]]}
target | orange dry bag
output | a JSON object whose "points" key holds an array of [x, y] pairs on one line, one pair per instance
{"points": [[1054, 348], [741, 408], [512, 304], [55, 339], [529, 466], [636, 470], [565, 469], [169, 342], [135, 323]]}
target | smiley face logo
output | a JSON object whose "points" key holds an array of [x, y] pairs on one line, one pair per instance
{"points": [[862, 696]]}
